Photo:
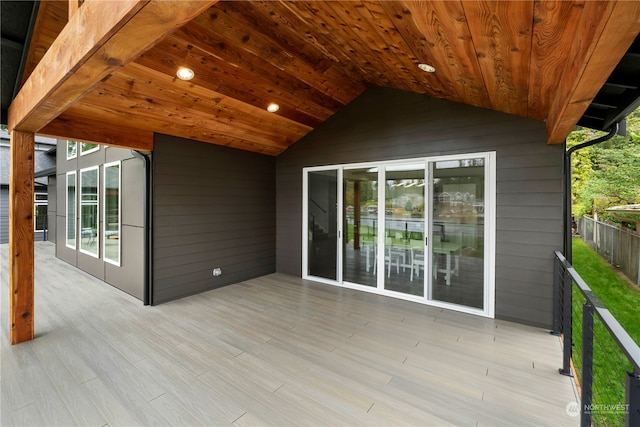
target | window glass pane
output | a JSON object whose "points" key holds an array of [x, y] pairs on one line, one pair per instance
{"points": [[40, 219], [71, 210], [323, 224], [72, 149], [86, 147], [360, 260], [458, 231], [112, 213], [404, 250], [89, 211]]}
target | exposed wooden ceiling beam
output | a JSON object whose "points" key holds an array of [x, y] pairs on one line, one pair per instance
{"points": [[101, 38], [73, 8], [51, 19], [607, 30], [117, 135]]}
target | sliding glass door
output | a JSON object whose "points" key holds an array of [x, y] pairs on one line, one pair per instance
{"points": [[421, 229]]}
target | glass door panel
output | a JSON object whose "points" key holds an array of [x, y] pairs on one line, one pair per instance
{"points": [[457, 229], [359, 255], [322, 229], [404, 220]]}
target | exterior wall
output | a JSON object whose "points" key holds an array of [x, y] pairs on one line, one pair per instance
{"points": [[44, 160], [387, 124], [212, 207], [4, 214], [4, 219], [129, 276]]}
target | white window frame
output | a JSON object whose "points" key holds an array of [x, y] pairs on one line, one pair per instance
{"points": [[489, 231], [75, 154], [93, 150], [104, 212], [37, 203], [97, 242], [75, 214]]}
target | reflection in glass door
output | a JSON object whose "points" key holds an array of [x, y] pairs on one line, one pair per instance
{"points": [[458, 230], [360, 192], [404, 214], [322, 225]]}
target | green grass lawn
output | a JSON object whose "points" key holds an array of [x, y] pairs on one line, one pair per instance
{"points": [[619, 296], [609, 363]]}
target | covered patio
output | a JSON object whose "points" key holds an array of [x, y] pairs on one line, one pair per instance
{"points": [[276, 350]]}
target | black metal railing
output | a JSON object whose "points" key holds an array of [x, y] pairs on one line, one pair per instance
{"points": [[607, 360]]}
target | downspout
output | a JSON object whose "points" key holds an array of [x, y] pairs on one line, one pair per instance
{"points": [[148, 227], [567, 187]]}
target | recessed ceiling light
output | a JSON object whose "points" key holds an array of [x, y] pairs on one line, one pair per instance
{"points": [[185, 73], [426, 67], [273, 107]]}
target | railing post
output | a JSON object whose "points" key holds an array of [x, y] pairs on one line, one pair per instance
{"points": [[556, 297], [567, 288], [633, 399], [587, 364]]}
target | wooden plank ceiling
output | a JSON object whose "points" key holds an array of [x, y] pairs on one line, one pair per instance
{"points": [[540, 59]]}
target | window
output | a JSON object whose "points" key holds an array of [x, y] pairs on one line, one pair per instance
{"points": [[72, 149], [71, 210], [111, 241], [89, 237], [87, 147], [40, 212]]}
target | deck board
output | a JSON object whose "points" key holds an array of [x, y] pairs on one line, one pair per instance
{"points": [[276, 350]]}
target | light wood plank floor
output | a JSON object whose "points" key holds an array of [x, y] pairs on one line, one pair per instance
{"points": [[276, 350]]}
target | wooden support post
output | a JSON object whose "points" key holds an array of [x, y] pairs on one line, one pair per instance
{"points": [[73, 8], [21, 251]]}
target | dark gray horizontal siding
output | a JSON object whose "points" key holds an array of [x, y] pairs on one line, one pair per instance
{"points": [[227, 253], [523, 249], [514, 310], [531, 186], [213, 207], [529, 236], [529, 212], [511, 174], [194, 284], [387, 124], [515, 224]]}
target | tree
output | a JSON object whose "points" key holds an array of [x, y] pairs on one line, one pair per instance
{"points": [[607, 174]]}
